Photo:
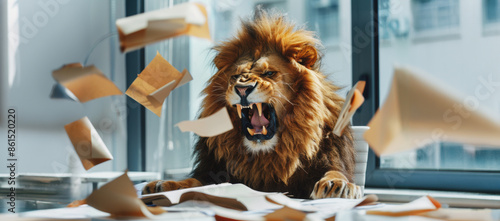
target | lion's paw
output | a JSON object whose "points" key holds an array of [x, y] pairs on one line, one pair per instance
{"points": [[164, 185], [336, 188]]}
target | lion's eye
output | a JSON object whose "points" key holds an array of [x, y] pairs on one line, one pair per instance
{"points": [[269, 73]]}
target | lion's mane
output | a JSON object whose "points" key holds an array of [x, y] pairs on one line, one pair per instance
{"points": [[306, 148]]}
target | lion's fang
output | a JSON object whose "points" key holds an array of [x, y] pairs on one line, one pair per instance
{"points": [[251, 131], [264, 130], [238, 108], [259, 108]]}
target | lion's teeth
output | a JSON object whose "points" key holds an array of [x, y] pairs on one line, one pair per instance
{"points": [[264, 130], [259, 108], [238, 108], [251, 131]]}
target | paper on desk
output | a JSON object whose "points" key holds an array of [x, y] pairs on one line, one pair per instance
{"points": [[353, 101], [329, 207], [460, 214], [183, 19], [118, 197], [87, 143], [286, 213], [415, 207], [86, 83], [233, 196], [155, 83], [420, 110], [210, 126]]}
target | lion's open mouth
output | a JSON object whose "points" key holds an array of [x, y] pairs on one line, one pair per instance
{"points": [[258, 120]]}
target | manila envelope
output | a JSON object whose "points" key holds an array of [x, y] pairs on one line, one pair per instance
{"points": [[140, 30], [87, 143], [155, 83], [86, 83], [118, 197], [421, 110]]}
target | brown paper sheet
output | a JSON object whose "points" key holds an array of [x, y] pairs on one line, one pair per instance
{"points": [[353, 101], [87, 143], [421, 205], [118, 197], [86, 83], [155, 83], [210, 126], [286, 213], [460, 214], [184, 19], [421, 110]]}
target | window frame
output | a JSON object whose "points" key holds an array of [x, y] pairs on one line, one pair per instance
{"points": [[365, 66], [136, 114]]}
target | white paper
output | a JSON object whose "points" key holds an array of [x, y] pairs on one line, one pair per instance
{"points": [[210, 126]]}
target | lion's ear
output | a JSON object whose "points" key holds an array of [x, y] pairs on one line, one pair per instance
{"points": [[306, 56]]}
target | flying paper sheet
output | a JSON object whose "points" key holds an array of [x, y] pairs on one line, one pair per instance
{"points": [[87, 143], [353, 101], [119, 198], [420, 110], [86, 83], [60, 92], [155, 83], [210, 126], [183, 19]]}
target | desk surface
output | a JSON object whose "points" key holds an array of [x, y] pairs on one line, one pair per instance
{"points": [[87, 213], [86, 177]]}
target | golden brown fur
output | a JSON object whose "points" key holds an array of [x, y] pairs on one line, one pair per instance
{"points": [[305, 155]]}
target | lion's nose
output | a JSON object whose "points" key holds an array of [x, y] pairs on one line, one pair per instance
{"points": [[243, 91]]}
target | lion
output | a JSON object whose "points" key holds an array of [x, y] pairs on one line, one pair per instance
{"points": [[283, 110]]}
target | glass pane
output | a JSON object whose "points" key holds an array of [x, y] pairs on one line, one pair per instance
{"points": [[465, 59], [40, 37], [491, 11], [330, 19]]}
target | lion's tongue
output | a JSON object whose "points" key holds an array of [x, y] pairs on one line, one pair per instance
{"points": [[258, 121]]}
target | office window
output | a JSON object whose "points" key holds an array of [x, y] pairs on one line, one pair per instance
{"points": [[223, 16], [168, 150], [324, 19], [463, 64], [491, 17], [491, 10], [435, 14], [42, 37], [384, 15]]}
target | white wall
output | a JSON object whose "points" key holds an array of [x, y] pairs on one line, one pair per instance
{"points": [[43, 36]]}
